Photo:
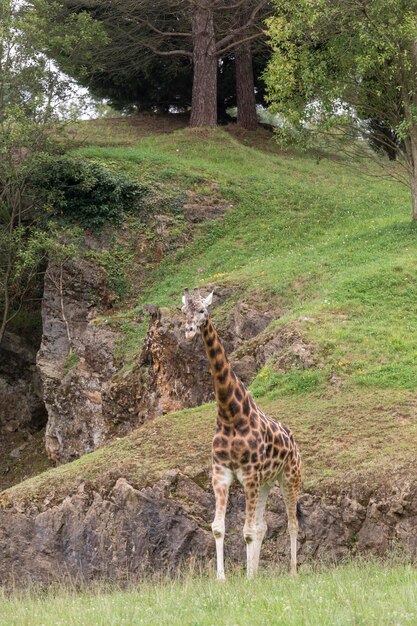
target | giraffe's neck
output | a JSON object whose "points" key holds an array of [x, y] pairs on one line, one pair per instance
{"points": [[233, 400]]}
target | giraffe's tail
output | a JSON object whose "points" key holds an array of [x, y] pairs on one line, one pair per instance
{"points": [[300, 516]]}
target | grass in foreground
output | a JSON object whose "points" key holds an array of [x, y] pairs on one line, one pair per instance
{"points": [[351, 594]]}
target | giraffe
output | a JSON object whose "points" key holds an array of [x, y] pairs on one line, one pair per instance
{"points": [[247, 445]]}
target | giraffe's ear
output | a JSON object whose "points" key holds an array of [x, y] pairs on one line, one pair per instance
{"points": [[183, 299], [209, 299]]}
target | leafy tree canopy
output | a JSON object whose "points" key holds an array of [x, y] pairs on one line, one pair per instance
{"points": [[146, 62], [32, 94], [349, 65]]}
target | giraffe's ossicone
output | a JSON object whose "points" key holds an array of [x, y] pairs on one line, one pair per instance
{"points": [[247, 445]]}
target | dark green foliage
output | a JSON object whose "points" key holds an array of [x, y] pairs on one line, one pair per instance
{"points": [[117, 262], [83, 192], [133, 77]]}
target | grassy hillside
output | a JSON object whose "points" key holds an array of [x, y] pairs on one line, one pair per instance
{"points": [[353, 594], [309, 239], [364, 442], [318, 246]]}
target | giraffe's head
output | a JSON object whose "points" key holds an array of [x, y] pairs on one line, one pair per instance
{"points": [[195, 308]]}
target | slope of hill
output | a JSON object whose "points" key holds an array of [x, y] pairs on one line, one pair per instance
{"points": [[329, 255], [309, 238]]}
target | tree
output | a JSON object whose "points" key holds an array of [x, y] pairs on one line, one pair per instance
{"points": [[31, 90], [157, 85], [349, 66], [163, 84], [199, 32]]}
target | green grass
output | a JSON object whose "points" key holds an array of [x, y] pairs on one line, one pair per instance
{"points": [[71, 361], [307, 239], [123, 131], [361, 594], [360, 441]]}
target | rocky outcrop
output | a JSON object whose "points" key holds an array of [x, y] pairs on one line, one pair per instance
{"points": [[171, 373], [21, 403], [87, 402], [283, 348], [75, 359], [90, 399], [130, 532]]}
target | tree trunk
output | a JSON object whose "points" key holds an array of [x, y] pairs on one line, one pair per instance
{"points": [[6, 304], [412, 143], [3, 324], [413, 183], [410, 107], [414, 199], [5, 319], [204, 96], [245, 88]]}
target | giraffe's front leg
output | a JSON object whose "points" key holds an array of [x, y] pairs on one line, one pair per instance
{"points": [[222, 479], [250, 534], [260, 524]]}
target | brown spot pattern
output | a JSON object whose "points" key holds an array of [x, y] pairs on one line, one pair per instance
{"points": [[246, 439]]}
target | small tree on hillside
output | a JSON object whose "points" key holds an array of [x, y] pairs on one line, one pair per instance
{"points": [[31, 90], [349, 66]]}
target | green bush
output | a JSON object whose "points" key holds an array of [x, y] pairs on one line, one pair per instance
{"points": [[118, 262], [83, 192]]}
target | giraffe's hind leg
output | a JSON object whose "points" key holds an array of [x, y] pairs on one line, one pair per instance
{"points": [[290, 487]]}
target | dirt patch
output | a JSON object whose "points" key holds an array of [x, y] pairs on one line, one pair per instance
{"points": [[205, 204], [263, 139]]}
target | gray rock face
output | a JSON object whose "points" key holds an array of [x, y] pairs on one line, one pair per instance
{"points": [[88, 403], [75, 360], [21, 404], [130, 532], [283, 347], [248, 322], [178, 375], [171, 373]]}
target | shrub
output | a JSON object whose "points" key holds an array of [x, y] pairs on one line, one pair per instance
{"points": [[118, 262], [84, 192]]}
